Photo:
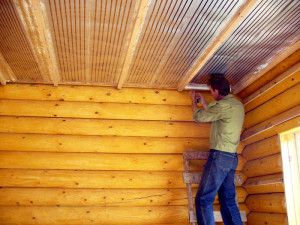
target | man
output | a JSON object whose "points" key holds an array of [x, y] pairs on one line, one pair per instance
{"points": [[227, 117]]}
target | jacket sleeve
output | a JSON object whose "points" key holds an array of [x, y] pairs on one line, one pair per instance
{"points": [[213, 113]]}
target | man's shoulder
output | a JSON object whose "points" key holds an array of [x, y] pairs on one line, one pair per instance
{"points": [[231, 101]]}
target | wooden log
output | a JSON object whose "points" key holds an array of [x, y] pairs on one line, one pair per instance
{"points": [[274, 106], [264, 184], [255, 218], [263, 166], [104, 144], [282, 122], [280, 68], [103, 127], [273, 203], [15, 215], [97, 161], [263, 148], [95, 110], [95, 179], [96, 94], [279, 85], [98, 197]]}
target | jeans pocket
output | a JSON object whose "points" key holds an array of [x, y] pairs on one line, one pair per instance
{"points": [[225, 162]]}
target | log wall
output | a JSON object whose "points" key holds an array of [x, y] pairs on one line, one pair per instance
{"points": [[90, 155], [272, 109]]}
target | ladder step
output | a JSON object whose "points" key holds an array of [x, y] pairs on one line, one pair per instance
{"points": [[195, 155], [195, 178], [192, 177], [218, 216]]}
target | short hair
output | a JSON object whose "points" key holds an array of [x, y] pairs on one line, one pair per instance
{"points": [[217, 81]]}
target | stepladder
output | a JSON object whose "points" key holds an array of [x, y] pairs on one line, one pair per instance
{"points": [[191, 177]]}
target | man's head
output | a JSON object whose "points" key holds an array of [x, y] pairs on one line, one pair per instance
{"points": [[219, 86]]}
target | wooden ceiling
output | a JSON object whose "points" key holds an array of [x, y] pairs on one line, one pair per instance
{"points": [[144, 43]]}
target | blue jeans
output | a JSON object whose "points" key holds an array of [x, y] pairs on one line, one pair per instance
{"points": [[218, 177]]}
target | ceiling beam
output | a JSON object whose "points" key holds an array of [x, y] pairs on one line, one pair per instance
{"points": [[6, 73], [35, 22], [140, 12], [214, 45], [252, 77]]}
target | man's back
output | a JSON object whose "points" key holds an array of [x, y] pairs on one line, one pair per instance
{"points": [[227, 117]]}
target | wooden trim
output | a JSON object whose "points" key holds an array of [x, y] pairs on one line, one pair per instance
{"points": [[33, 17], [214, 45], [252, 77], [5, 71], [290, 145], [141, 11], [274, 87], [270, 123]]}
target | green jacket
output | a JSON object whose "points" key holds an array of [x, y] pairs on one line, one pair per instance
{"points": [[227, 117]]}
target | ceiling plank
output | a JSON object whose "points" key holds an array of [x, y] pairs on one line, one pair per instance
{"points": [[214, 45], [252, 77], [141, 12], [33, 17], [178, 34], [6, 72], [89, 43]]}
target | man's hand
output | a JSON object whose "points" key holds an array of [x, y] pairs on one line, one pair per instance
{"points": [[198, 96]]}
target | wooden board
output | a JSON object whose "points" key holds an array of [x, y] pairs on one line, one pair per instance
{"points": [[271, 74], [267, 218], [97, 161], [95, 179], [273, 203], [263, 148], [274, 106], [104, 144], [264, 184], [95, 94], [279, 85], [95, 215], [103, 127], [95, 110], [279, 123], [98, 197], [263, 166]]}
